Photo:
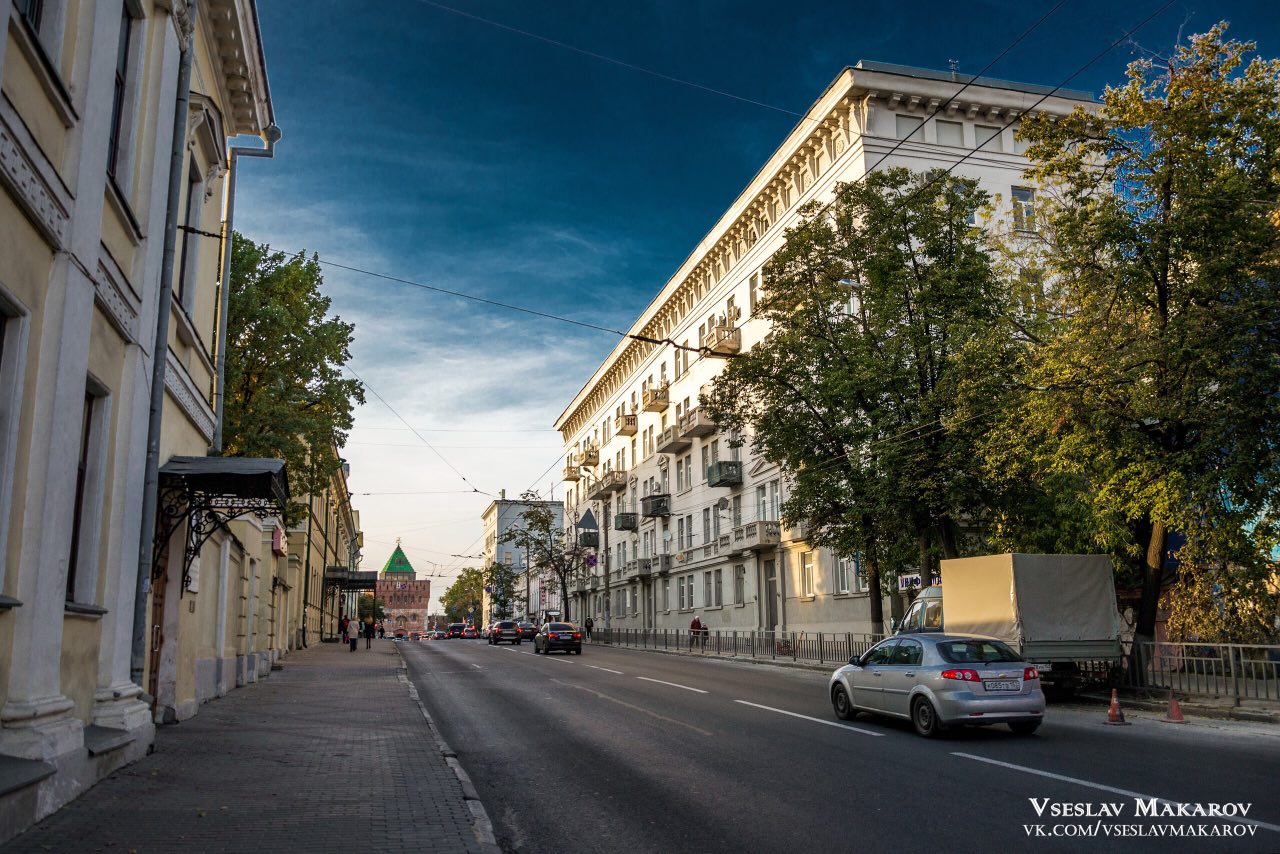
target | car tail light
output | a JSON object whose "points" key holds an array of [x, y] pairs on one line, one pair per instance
{"points": [[962, 675], [552, 635], [577, 635], [1030, 673]]}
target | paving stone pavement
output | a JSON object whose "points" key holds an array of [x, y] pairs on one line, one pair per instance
{"points": [[328, 754]]}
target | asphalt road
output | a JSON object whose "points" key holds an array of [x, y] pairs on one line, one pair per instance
{"points": [[626, 750]]}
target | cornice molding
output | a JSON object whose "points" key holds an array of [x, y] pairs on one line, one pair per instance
{"points": [[32, 179], [184, 392]]}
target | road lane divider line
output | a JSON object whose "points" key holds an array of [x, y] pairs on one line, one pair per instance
{"points": [[1274, 828], [674, 685], [809, 718], [636, 708], [605, 669]]}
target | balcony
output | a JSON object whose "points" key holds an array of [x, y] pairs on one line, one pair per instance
{"points": [[797, 532], [655, 399], [589, 539], [631, 567], [652, 506], [626, 425], [571, 469], [644, 566], [626, 521], [609, 483], [663, 564], [723, 340], [724, 473], [696, 422], [726, 540], [594, 583], [756, 536], [671, 442], [590, 456]]}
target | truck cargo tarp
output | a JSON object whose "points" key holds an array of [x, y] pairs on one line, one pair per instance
{"points": [[1031, 597]]}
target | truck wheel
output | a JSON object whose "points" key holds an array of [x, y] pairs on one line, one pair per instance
{"points": [[925, 718], [842, 705]]}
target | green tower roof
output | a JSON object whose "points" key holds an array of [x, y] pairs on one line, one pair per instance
{"points": [[398, 563]]}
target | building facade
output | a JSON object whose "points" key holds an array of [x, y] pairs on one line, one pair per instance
{"points": [[406, 599], [323, 547], [689, 523], [90, 105], [499, 518]]}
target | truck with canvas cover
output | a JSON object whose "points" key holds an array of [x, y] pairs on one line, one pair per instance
{"points": [[1057, 610]]}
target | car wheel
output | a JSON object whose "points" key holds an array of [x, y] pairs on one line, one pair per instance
{"points": [[925, 718], [842, 705], [578, 651], [1024, 727]]}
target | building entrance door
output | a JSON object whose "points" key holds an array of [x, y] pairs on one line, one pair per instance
{"points": [[770, 595], [158, 588]]}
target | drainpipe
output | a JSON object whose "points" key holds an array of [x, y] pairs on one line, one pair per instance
{"points": [[306, 571], [271, 135], [159, 355]]}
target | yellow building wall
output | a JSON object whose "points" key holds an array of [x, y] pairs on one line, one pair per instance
{"points": [[23, 89], [81, 636]]}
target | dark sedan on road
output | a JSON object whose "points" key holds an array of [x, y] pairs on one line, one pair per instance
{"points": [[940, 681], [528, 631], [470, 633], [455, 630], [507, 631], [558, 636]]}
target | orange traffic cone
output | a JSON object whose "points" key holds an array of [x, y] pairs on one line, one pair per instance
{"points": [[1174, 715], [1115, 717]]}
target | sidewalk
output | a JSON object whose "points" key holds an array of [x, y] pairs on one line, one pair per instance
{"points": [[270, 767]]}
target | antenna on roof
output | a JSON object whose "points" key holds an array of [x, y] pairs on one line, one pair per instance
{"points": [[954, 64]]}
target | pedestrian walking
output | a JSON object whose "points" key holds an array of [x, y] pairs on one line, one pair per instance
{"points": [[695, 629], [368, 635], [345, 625], [353, 634], [590, 624]]}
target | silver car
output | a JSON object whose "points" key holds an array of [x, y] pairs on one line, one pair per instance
{"points": [[939, 681]]}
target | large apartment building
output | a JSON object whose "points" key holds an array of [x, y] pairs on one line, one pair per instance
{"points": [[689, 523], [536, 586]]}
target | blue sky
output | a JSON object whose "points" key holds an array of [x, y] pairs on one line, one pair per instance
{"points": [[431, 146]]}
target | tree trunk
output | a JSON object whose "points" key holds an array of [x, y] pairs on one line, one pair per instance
{"points": [[947, 537], [1148, 605], [876, 597]]}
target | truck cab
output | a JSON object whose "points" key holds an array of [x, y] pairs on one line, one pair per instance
{"points": [[925, 613]]}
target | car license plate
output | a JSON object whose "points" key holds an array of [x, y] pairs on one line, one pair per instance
{"points": [[1001, 684]]}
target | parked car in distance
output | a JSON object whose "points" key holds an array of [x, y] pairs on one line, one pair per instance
{"points": [[438, 634], [565, 637], [455, 630], [528, 631], [470, 633], [507, 631], [940, 681]]}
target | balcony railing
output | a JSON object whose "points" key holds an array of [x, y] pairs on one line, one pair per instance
{"points": [[723, 340], [590, 456], [652, 506], [756, 536], [626, 521], [800, 531], [609, 483], [663, 565], [671, 442], [655, 399], [571, 470], [644, 567], [626, 425], [696, 422], [589, 539], [724, 473]]}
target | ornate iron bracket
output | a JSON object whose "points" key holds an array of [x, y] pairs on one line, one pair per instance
{"points": [[205, 514]]}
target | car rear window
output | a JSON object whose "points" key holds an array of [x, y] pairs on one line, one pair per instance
{"points": [[457, 626], [507, 625], [976, 651], [559, 627]]}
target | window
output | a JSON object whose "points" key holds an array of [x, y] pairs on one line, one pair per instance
{"points": [[680, 475], [909, 652], [688, 531], [666, 594], [989, 137], [806, 574], [32, 11], [950, 133], [736, 509], [680, 533], [907, 126], [706, 459], [753, 292], [1024, 209], [188, 265], [119, 107], [635, 600], [739, 584], [81, 559], [762, 503], [680, 593], [706, 525], [707, 596], [844, 574], [717, 587]]}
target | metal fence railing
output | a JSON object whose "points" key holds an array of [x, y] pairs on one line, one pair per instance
{"points": [[1225, 670], [813, 647]]}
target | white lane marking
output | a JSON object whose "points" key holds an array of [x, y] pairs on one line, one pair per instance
{"points": [[815, 720], [673, 685], [1275, 828], [605, 669], [524, 652], [476, 666]]}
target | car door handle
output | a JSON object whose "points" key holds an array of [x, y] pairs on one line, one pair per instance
{"points": [[908, 674], [875, 673]]}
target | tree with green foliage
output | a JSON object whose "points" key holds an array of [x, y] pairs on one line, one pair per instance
{"points": [[464, 598], [286, 396], [1158, 391], [370, 607], [548, 547], [878, 306], [504, 596]]}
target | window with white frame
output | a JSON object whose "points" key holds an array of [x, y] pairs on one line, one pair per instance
{"points": [[666, 594], [739, 584], [717, 587], [1024, 208], [635, 600], [988, 137], [86, 517], [950, 133], [735, 505], [680, 532], [123, 94], [806, 574], [688, 531], [680, 600], [708, 598], [844, 568], [706, 525], [907, 127]]}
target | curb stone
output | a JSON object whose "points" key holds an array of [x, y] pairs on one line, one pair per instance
{"points": [[481, 824]]}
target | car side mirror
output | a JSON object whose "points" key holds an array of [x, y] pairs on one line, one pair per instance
{"points": [[894, 625], [856, 660]]}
